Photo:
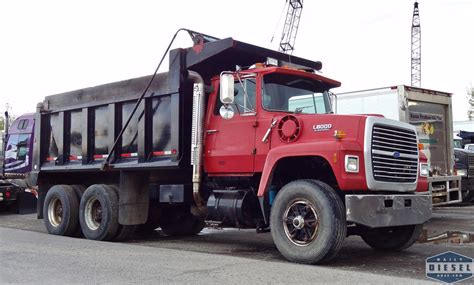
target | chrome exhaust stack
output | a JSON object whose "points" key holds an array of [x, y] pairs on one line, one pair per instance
{"points": [[199, 111]]}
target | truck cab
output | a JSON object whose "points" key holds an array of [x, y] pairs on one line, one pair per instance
{"points": [[19, 145], [15, 163]]}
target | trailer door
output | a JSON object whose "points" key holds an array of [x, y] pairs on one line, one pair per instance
{"points": [[430, 122]]}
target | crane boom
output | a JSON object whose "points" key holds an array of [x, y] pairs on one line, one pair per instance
{"points": [[288, 36]]}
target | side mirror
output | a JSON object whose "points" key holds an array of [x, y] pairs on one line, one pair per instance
{"points": [[227, 88]]}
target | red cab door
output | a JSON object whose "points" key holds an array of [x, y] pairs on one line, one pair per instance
{"points": [[230, 143]]}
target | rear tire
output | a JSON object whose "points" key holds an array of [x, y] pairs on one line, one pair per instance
{"points": [[79, 190], [60, 211], [98, 213], [308, 222], [392, 238], [124, 231]]}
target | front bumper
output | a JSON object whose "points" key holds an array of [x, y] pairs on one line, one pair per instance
{"points": [[388, 210]]}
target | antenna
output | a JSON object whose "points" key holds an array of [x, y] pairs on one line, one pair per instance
{"points": [[416, 48]]}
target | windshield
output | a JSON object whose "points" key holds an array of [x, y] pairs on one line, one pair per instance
{"points": [[289, 93], [457, 144]]}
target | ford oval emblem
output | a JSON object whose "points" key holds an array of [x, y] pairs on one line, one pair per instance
{"points": [[396, 154]]}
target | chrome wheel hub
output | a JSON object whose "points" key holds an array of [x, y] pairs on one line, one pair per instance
{"points": [[300, 222], [93, 214]]}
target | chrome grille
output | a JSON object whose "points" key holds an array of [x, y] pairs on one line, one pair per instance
{"points": [[394, 154], [470, 170]]}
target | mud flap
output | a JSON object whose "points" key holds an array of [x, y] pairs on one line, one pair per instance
{"points": [[26, 203], [133, 198]]}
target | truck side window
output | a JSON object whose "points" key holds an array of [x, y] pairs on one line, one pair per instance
{"points": [[22, 124], [22, 147], [244, 96], [17, 147]]}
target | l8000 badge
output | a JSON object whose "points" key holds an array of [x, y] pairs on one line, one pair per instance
{"points": [[322, 127]]}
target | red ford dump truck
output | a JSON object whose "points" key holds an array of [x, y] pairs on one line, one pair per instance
{"points": [[212, 144]]}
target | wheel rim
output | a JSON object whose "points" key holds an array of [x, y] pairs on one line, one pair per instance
{"points": [[301, 222], [93, 214], [55, 212]]}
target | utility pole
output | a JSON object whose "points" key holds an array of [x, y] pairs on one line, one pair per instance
{"points": [[292, 21], [416, 48]]}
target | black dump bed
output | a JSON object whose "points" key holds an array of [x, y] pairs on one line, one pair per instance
{"points": [[76, 130]]}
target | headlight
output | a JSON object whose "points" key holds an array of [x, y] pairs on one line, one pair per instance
{"points": [[352, 163], [424, 169], [462, 172]]}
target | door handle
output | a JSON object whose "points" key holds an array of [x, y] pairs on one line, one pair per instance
{"points": [[211, 131]]}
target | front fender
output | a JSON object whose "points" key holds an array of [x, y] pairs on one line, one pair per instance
{"points": [[329, 150]]}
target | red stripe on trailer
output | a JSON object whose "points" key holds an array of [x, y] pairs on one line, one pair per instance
{"points": [[129, 154], [99, 156], [51, 158], [164, 152], [72, 157]]}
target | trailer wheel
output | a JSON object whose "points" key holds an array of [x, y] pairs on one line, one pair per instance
{"points": [[308, 222], [183, 224], [392, 238], [98, 213], [60, 211]]}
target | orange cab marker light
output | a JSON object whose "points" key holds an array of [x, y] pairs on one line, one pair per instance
{"points": [[338, 134], [420, 146]]}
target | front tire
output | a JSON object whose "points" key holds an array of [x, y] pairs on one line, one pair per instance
{"points": [[98, 213], [308, 222], [60, 211], [392, 238]]}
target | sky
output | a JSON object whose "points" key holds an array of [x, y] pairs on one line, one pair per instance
{"points": [[49, 47]]}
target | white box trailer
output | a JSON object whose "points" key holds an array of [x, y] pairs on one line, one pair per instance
{"points": [[431, 113]]}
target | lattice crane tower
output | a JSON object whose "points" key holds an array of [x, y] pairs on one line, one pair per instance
{"points": [[416, 48], [292, 21]]}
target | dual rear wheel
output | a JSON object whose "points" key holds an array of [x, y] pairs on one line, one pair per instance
{"points": [[70, 210]]}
